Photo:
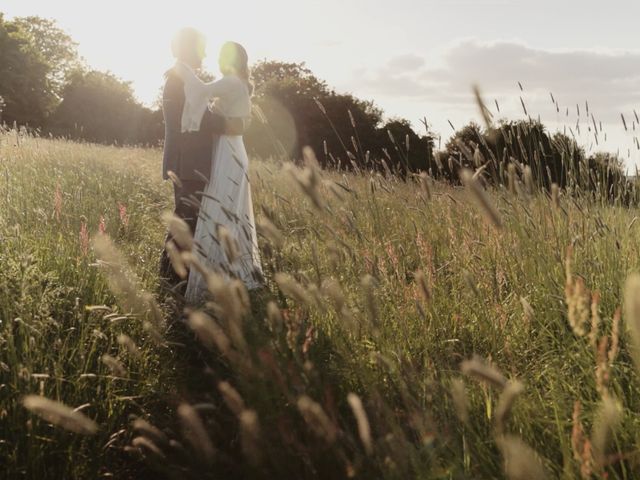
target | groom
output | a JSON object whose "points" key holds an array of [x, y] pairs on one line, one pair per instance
{"points": [[188, 155]]}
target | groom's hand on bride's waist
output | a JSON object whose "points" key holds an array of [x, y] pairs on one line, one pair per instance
{"points": [[235, 126]]}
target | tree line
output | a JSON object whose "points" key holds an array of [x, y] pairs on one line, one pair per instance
{"points": [[46, 86]]}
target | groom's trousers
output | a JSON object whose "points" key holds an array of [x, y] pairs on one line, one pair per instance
{"points": [[187, 196]]}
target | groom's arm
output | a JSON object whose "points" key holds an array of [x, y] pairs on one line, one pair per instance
{"points": [[172, 105]]}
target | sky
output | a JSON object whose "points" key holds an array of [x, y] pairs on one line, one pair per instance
{"points": [[414, 58]]}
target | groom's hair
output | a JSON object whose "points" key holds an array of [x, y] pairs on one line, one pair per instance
{"points": [[188, 44]]}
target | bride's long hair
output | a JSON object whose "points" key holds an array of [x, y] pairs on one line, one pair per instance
{"points": [[234, 60]]}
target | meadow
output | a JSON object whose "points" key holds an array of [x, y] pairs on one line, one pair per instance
{"points": [[409, 329]]}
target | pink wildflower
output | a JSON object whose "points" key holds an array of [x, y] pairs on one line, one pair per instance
{"points": [[124, 217]]}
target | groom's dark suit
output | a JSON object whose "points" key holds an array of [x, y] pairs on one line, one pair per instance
{"points": [[188, 156]]}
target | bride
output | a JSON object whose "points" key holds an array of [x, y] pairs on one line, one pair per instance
{"points": [[226, 222]]}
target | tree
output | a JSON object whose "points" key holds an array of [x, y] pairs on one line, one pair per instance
{"points": [[413, 152], [99, 107], [23, 78], [54, 45], [298, 109]]}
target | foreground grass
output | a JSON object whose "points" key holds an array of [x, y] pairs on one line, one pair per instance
{"points": [[352, 317]]}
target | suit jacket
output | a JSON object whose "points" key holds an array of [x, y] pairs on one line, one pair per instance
{"points": [[186, 154]]}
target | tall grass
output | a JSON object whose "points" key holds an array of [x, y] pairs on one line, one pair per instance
{"points": [[408, 329]]}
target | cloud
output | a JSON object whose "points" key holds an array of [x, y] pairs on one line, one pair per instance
{"points": [[408, 62], [606, 77], [608, 80]]}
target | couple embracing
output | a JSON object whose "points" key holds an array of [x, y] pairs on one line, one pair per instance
{"points": [[205, 156]]}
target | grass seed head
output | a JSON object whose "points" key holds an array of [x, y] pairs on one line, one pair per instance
{"points": [[250, 436], [146, 429], [507, 398], [177, 261], [607, 420], [59, 414], [481, 197], [317, 419], [460, 400], [128, 344], [195, 433], [270, 232], [179, 230], [479, 369], [364, 429], [147, 447], [632, 313], [231, 398], [292, 289], [115, 365], [423, 286], [521, 462], [209, 332]]}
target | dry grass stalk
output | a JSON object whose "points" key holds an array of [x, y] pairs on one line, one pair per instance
{"points": [[115, 365], [149, 431], [482, 198], [177, 261], [195, 433], [250, 436], [229, 244], [147, 446], [423, 287], [484, 111], [128, 343], [270, 232], [122, 282], [274, 317], [332, 290], [364, 429], [615, 336], [527, 309], [512, 179], [632, 313], [509, 395], [577, 298], [155, 336], [231, 303], [555, 196], [59, 414], [425, 184], [460, 400], [368, 284], [607, 420], [309, 181], [521, 462], [528, 180], [317, 419], [602, 367], [174, 178], [179, 230], [292, 289], [232, 398], [478, 368], [595, 320], [209, 332]]}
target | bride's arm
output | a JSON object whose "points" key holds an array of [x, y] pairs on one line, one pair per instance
{"points": [[218, 88], [197, 89]]}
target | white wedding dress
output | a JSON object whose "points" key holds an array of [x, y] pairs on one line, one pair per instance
{"points": [[227, 198]]}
